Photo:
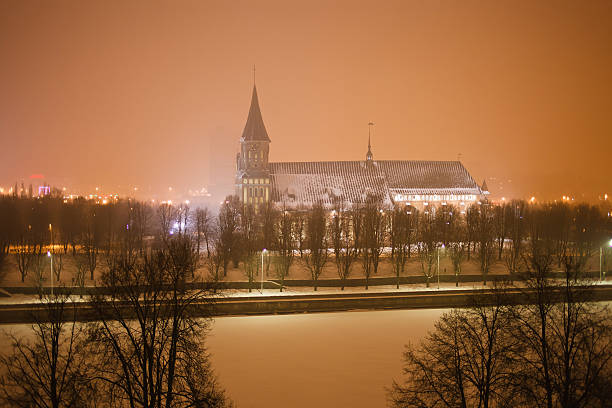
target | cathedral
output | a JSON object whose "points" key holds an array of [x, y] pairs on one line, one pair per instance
{"points": [[294, 185]]}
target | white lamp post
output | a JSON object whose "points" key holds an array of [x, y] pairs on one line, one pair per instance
{"points": [[601, 260], [51, 257], [262, 267]]}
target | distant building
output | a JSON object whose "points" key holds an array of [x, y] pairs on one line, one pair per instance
{"points": [[302, 184]]}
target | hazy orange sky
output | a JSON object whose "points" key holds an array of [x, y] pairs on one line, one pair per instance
{"points": [[148, 93]]}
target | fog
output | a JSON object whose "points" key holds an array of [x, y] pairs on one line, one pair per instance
{"points": [[153, 95]]}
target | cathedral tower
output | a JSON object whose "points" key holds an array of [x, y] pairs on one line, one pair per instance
{"points": [[252, 172]]}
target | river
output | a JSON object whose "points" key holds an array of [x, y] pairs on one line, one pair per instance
{"points": [[314, 360]]}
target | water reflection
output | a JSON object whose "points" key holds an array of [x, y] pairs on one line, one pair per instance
{"points": [[322, 360]]}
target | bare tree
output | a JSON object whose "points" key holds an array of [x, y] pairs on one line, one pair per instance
{"points": [[512, 258], [428, 245], [284, 247], [38, 268], [90, 240], [229, 224], [566, 339], [250, 266], [78, 280], [458, 249], [24, 253], [141, 216], [532, 318], [346, 248], [399, 236], [213, 264], [48, 370], [203, 221], [250, 242], [485, 239], [501, 217], [148, 342], [373, 221], [471, 222], [315, 254], [462, 363]]}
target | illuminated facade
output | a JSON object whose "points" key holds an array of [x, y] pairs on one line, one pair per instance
{"points": [[302, 184]]}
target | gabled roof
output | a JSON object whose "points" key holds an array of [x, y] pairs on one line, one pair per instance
{"points": [[327, 183], [426, 174], [353, 181], [255, 130]]}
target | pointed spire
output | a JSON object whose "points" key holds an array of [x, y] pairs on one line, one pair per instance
{"points": [[484, 186], [255, 128], [369, 155]]}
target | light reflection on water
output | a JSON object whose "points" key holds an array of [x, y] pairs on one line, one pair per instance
{"points": [[314, 360]]}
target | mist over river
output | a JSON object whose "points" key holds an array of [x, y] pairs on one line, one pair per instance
{"points": [[314, 360]]}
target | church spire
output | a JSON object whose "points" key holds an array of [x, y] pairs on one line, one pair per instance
{"points": [[484, 186], [369, 156], [255, 130]]}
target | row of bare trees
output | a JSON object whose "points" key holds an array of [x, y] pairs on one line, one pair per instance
{"points": [[366, 235], [545, 343], [144, 347], [362, 236]]}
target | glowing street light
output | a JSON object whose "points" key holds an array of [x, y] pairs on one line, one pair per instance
{"points": [[262, 267], [602, 274], [50, 257]]}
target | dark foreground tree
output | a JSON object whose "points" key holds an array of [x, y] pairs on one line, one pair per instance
{"points": [[462, 363], [550, 348], [48, 369], [148, 345]]}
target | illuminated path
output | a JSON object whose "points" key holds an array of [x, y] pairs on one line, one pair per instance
{"points": [[327, 302]]}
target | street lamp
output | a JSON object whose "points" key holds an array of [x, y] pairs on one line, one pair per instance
{"points": [[438, 267], [601, 273], [262, 267], [50, 257]]}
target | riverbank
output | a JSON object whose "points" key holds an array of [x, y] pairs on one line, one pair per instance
{"points": [[290, 303]]}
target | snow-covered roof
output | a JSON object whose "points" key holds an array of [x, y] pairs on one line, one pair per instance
{"points": [[306, 183]]}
